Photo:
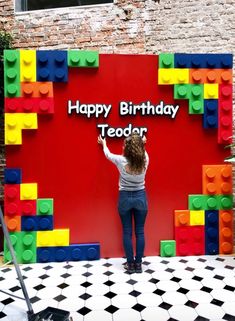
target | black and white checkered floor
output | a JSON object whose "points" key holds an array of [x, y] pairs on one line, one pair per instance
{"points": [[183, 289]]}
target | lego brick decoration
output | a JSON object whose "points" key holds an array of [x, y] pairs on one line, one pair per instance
{"points": [[179, 100], [167, 248], [217, 179], [74, 252], [190, 240], [226, 232], [211, 232]]}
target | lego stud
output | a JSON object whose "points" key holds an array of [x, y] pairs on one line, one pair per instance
{"points": [[12, 224], [74, 57], [181, 76], [225, 76], [90, 58], [28, 89], [59, 58], [226, 106], [183, 219], [226, 217], [211, 188], [43, 59], [197, 76], [225, 61], [211, 120], [225, 136], [210, 173], [226, 202], [13, 239], [226, 247], [169, 249], [91, 253], [226, 91], [166, 77], [225, 187], [44, 208], [44, 223], [11, 74], [211, 76], [27, 208], [226, 232], [211, 202], [28, 121], [44, 106], [196, 90], [181, 62], [182, 91], [212, 218], [27, 256], [44, 255], [226, 172], [76, 254], [197, 203], [11, 121], [60, 255], [44, 73], [11, 209], [27, 239], [211, 62], [166, 60], [59, 74], [11, 192], [195, 62], [11, 138], [225, 121], [196, 106], [27, 59], [27, 107], [12, 107], [29, 224], [211, 106], [211, 92], [11, 90], [27, 74], [44, 89], [212, 233], [11, 57]]}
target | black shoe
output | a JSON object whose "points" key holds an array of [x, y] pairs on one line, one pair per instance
{"points": [[129, 267], [138, 267]]}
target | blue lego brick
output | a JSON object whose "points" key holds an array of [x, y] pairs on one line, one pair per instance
{"points": [[211, 232], [37, 223], [219, 61], [52, 65], [12, 176], [74, 252], [210, 116]]}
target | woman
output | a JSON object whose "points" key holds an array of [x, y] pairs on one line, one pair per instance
{"points": [[132, 166]]}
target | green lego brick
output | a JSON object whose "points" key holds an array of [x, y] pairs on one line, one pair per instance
{"points": [[24, 244], [182, 91], [225, 202], [167, 248], [203, 202], [196, 100], [83, 58], [166, 60], [45, 206], [11, 73]]}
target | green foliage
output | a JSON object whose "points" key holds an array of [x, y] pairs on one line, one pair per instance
{"points": [[5, 43]]}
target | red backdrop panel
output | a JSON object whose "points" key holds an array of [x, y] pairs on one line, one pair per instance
{"points": [[63, 156]]}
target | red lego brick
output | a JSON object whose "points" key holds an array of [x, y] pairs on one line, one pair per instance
{"points": [[225, 114], [190, 240], [28, 207], [29, 105], [12, 199]]}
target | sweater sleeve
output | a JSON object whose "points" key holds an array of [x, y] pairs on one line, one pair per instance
{"points": [[116, 159]]}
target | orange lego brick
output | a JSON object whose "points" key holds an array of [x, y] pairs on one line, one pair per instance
{"points": [[37, 89], [226, 232], [217, 179], [182, 217], [13, 223], [210, 76]]}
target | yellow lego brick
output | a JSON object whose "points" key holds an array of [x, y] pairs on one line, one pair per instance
{"points": [[171, 76], [29, 191], [211, 91], [181, 76], [165, 76], [197, 217], [27, 65], [12, 121], [29, 121], [13, 137], [58, 237]]}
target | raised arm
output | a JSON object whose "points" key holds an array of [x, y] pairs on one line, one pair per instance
{"points": [[116, 159]]}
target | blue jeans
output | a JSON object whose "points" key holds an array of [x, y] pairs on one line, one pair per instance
{"points": [[133, 204]]}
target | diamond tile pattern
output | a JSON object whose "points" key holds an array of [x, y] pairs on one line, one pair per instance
{"points": [[199, 288]]}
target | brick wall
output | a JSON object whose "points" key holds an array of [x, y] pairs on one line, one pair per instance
{"points": [[134, 26]]}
